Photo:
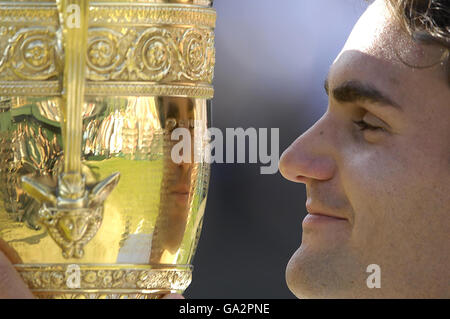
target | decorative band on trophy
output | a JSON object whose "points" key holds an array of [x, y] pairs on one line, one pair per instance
{"points": [[80, 281], [169, 44]]}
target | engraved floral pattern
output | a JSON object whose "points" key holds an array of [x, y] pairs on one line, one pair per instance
{"points": [[198, 54], [178, 50], [54, 278], [101, 52], [33, 54], [154, 54], [159, 54], [105, 52]]}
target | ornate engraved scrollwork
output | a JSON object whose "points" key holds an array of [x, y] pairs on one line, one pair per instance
{"points": [[155, 54], [106, 53], [173, 45], [31, 54], [113, 281], [71, 229], [198, 55]]}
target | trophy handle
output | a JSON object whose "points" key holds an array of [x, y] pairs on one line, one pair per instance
{"points": [[74, 38]]}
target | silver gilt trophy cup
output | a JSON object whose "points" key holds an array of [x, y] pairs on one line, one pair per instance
{"points": [[90, 93]]}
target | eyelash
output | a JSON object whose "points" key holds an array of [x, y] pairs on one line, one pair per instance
{"points": [[362, 125]]}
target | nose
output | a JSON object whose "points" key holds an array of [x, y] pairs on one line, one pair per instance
{"points": [[309, 157]]}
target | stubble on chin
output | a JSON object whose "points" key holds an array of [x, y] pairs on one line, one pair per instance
{"points": [[325, 273]]}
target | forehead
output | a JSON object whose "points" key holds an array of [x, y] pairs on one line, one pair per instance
{"points": [[379, 35], [370, 33], [379, 51]]}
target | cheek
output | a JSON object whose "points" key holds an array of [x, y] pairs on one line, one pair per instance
{"points": [[392, 189], [376, 184]]}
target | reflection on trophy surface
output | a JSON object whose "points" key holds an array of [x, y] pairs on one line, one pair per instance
{"points": [[88, 187]]}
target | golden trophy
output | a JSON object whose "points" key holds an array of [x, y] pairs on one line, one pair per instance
{"points": [[90, 94]]}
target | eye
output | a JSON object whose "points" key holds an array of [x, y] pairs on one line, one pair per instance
{"points": [[372, 129], [369, 122], [171, 124], [363, 126]]}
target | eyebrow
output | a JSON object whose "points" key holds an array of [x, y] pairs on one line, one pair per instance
{"points": [[354, 91]]}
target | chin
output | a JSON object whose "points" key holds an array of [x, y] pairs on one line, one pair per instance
{"points": [[301, 277], [312, 274]]}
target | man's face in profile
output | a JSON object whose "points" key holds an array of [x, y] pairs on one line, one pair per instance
{"points": [[378, 162]]}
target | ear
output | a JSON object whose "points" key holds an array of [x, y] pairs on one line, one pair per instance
{"points": [[102, 190], [40, 192]]}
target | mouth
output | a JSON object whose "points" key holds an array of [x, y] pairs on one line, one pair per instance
{"points": [[180, 189], [321, 217], [180, 194], [316, 217]]}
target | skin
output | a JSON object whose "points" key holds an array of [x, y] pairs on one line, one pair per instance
{"points": [[11, 285], [388, 183]]}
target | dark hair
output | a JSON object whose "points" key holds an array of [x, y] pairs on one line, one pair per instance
{"points": [[425, 20]]}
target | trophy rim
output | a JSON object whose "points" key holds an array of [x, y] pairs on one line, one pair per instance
{"points": [[195, 3], [107, 266], [107, 280]]}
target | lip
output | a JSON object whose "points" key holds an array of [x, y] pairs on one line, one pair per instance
{"points": [[180, 190], [321, 212], [318, 216], [180, 199], [319, 220], [179, 193]]}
